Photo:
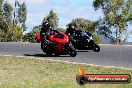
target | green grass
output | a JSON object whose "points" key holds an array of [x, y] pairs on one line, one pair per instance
{"points": [[20, 72]]}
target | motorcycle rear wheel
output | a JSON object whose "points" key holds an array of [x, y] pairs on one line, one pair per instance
{"points": [[72, 51]]}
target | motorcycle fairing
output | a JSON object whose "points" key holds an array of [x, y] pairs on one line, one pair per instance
{"points": [[59, 37]]}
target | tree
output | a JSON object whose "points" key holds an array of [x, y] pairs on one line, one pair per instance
{"points": [[15, 13], [1, 12], [7, 12], [37, 27], [9, 30], [61, 29], [83, 24], [14, 33], [104, 30], [52, 19], [6, 17], [117, 15], [21, 14], [97, 39], [30, 37]]}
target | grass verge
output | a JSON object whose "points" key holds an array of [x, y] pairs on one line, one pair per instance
{"points": [[20, 72]]}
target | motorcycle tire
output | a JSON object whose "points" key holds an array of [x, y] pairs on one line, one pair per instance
{"points": [[48, 51], [72, 51], [96, 48]]}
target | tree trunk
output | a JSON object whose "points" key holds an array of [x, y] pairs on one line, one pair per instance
{"points": [[120, 40]]}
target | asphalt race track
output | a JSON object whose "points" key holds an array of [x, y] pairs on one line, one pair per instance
{"points": [[110, 55]]}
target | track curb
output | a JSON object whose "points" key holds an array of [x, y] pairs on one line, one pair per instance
{"points": [[76, 63]]}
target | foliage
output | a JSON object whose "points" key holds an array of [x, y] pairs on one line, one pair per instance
{"points": [[37, 27], [104, 30], [13, 34], [83, 24], [1, 12], [21, 11], [2, 36], [5, 15], [61, 29], [117, 14], [7, 12], [10, 31], [52, 19], [97, 39], [30, 37], [1, 1]]}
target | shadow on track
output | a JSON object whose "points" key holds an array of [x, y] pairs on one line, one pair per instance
{"points": [[44, 55], [82, 50]]}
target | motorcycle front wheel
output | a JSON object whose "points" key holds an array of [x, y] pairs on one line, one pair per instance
{"points": [[72, 51], [47, 50], [96, 48]]}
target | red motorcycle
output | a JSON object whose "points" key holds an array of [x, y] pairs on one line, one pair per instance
{"points": [[37, 38], [59, 45]]}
